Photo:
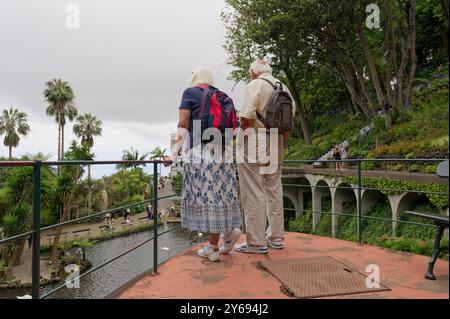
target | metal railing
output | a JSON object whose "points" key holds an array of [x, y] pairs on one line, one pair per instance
{"points": [[359, 187], [36, 223], [36, 208]]}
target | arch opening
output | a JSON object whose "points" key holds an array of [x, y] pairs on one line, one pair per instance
{"points": [[300, 197], [375, 204], [420, 203], [346, 226], [289, 212], [322, 207]]}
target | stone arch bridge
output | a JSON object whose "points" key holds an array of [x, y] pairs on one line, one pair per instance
{"points": [[321, 183]]}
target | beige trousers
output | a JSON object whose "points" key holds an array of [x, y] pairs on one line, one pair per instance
{"points": [[262, 198]]}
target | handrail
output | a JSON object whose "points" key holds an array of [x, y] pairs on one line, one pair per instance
{"points": [[37, 229], [355, 160], [108, 261], [363, 216], [369, 189], [73, 221]]}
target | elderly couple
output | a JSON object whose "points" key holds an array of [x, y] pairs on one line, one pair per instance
{"points": [[209, 200]]}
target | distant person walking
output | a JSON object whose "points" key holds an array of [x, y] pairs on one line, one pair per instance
{"points": [[149, 211], [109, 222], [126, 217], [209, 199], [30, 241], [337, 157], [344, 156]]}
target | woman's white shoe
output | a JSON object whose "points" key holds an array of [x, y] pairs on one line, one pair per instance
{"points": [[230, 241], [209, 252]]}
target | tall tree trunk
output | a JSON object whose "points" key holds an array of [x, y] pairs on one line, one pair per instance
{"points": [[298, 102], [18, 254], [356, 98], [89, 190], [9, 269], [10, 152], [359, 75], [62, 142], [401, 74], [445, 10], [412, 51], [59, 142], [392, 52], [66, 206], [375, 78], [372, 66], [444, 6]]}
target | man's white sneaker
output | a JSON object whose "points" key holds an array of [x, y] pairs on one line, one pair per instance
{"points": [[275, 244], [209, 252], [249, 249], [229, 241]]}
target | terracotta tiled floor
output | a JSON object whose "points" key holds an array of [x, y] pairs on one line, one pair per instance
{"points": [[236, 276]]}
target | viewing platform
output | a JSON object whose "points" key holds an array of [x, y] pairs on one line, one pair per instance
{"points": [[237, 276]]}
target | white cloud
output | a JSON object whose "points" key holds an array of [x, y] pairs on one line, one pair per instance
{"points": [[128, 64]]}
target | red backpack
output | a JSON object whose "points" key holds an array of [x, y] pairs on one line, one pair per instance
{"points": [[217, 110]]}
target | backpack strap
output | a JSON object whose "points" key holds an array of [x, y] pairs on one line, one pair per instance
{"points": [[268, 81], [206, 90], [274, 86]]}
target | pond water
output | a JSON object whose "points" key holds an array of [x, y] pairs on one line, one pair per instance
{"points": [[103, 281]]}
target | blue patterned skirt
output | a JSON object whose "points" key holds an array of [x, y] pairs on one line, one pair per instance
{"points": [[209, 200]]}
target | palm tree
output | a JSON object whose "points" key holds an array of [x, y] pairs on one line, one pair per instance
{"points": [[13, 124], [86, 127], [132, 155], [158, 154], [60, 99], [67, 188]]}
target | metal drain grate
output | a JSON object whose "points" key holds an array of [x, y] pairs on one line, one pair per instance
{"points": [[322, 276]]}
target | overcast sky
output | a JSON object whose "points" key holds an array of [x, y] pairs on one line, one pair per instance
{"points": [[128, 64]]}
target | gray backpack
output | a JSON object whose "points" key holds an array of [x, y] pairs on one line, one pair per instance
{"points": [[278, 110]]}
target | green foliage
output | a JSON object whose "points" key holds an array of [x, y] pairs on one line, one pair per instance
{"points": [[413, 168], [16, 221], [86, 128], [47, 217], [441, 141], [411, 245], [302, 224], [177, 183], [13, 123], [374, 227], [324, 227], [431, 169], [132, 155], [432, 25], [347, 225], [368, 166], [390, 187], [377, 229], [3, 265], [416, 231], [136, 198], [126, 186]]}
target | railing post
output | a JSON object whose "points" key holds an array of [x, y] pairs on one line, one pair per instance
{"points": [[36, 256], [155, 218], [359, 202]]}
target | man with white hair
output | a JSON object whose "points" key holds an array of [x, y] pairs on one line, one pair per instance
{"points": [[261, 193]]}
